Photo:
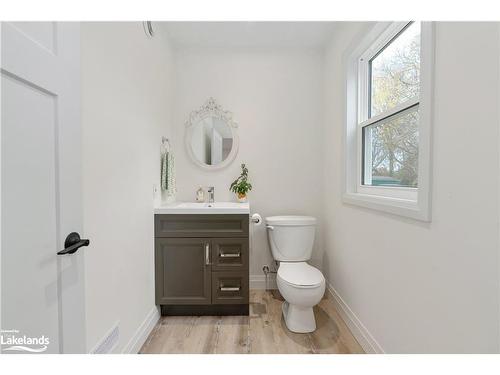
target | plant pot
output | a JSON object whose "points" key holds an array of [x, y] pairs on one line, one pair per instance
{"points": [[242, 198]]}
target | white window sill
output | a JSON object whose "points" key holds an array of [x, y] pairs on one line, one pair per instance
{"points": [[396, 206]]}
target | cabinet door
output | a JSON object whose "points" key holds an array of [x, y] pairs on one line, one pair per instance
{"points": [[183, 271]]}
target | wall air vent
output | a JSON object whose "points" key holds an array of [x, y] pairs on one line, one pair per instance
{"points": [[108, 342]]}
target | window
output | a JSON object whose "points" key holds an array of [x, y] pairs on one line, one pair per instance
{"points": [[390, 150], [388, 119]]}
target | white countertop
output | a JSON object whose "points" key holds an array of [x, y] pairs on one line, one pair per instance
{"points": [[203, 208]]}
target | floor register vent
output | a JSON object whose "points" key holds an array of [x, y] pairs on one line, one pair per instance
{"points": [[108, 342]]}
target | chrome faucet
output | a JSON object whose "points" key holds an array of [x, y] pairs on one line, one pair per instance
{"points": [[211, 194]]}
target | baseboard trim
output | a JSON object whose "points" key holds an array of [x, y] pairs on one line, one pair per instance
{"points": [[358, 329], [259, 282], [137, 341]]}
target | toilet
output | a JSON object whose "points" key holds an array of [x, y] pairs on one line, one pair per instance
{"points": [[302, 286]]}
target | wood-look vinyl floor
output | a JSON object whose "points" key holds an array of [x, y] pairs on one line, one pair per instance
{"points": [[263, 332]]}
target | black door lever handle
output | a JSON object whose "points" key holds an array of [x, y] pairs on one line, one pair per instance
{"points": [[72, 243]]}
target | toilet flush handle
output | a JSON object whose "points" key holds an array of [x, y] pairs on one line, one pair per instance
{"points": [[270, 227]]}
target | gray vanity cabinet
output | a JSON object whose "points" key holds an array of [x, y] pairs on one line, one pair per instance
{"points": [[201, 264]]}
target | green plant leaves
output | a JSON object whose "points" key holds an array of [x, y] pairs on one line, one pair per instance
{"points": [[241, 184]]}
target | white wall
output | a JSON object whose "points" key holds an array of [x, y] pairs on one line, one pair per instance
{"points": [[276, 98], [126, 104], [421, 287]]}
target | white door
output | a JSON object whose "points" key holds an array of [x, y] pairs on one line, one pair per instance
{"points": [[42, 292]]}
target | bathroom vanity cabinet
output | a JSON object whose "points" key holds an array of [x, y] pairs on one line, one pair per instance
{"points": [[201, 263]]}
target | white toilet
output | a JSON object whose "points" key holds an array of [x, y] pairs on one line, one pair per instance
{"points": [[302, 286]]}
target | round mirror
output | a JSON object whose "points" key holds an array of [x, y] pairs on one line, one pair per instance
{"points": [[211, 138]]}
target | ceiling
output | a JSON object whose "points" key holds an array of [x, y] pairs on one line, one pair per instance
{"points": [[249, 34]]}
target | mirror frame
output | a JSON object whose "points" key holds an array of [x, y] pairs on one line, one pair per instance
{"points": [[211, 109]]}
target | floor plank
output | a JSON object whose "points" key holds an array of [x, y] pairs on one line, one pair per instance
{"points": [[262, 332]]}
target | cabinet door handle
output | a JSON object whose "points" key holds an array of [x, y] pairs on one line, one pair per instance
{"points": [[207, 254], [229, 255], [230, 288]]}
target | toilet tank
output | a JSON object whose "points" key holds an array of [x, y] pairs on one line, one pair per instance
{"points": [[291, 238]]}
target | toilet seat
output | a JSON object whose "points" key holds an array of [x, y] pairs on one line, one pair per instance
{"points": [[300, 275]]}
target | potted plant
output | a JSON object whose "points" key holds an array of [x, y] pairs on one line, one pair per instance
{"points": [[241, 186]]}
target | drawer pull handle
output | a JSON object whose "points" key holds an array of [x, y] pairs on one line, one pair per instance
{"points": [[230, 255], [230, 288], [207, 254]]}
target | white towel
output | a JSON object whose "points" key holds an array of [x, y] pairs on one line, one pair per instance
{"points": [[163, 171], [171, 184]]}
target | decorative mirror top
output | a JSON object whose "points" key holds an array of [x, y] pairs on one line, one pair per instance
{"points": [[211, 109]]}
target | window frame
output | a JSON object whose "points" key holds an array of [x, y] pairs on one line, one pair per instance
{"points": [[405, 201]]}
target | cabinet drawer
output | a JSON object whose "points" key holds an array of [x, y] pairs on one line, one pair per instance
{"points": [[201, 225], [229, 287], [229, 254]]}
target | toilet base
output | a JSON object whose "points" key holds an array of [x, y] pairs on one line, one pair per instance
{"points": [[299, 319]]}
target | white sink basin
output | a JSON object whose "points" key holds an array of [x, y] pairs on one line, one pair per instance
{"points": [[204, 208]]}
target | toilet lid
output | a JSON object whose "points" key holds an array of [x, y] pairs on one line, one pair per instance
{"points": [[291, 220], [300, 274]]}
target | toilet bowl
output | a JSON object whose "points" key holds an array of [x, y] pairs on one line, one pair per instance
{"points": [[302, 286]]}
